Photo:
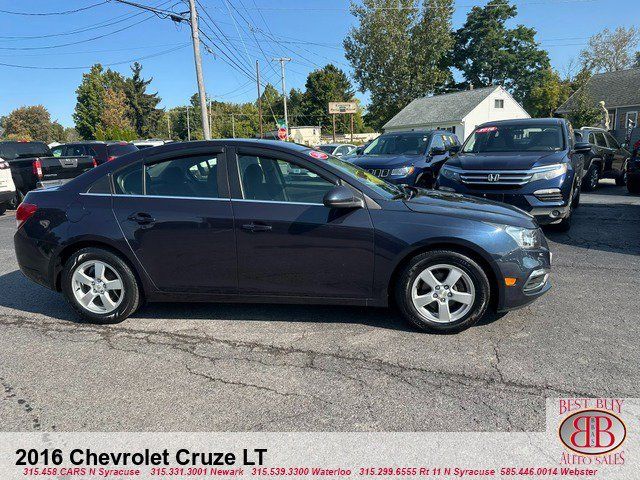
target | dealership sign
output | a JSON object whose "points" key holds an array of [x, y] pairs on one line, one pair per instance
{"points": [[342, 107]]}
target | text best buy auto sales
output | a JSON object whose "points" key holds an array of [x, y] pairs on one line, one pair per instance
{"points": [[87, 457]]}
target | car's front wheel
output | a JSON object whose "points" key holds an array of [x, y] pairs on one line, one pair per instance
{"points": [[100, 286], [621, 178], [442, 291], [591, 179]]}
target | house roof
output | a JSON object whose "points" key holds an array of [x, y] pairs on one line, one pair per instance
{"points": [[617, 89], [441, 109]]}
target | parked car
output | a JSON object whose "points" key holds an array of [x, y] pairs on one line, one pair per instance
{"points": [[34, 166], [222, 221], [411, 158], [606, 159], [101, 151], [337, 149], [7, 187], [152, 142], [533, 164], [633, 170]]}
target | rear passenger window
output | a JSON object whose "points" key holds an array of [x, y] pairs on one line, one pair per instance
{"points": [[184, 177], [128, 181]]}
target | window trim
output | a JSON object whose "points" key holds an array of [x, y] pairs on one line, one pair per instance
{"points": [[495, 103]]}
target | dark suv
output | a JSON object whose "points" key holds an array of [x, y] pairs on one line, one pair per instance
{"points": [[607, 159], [101, 151], [411, 158], [533, 164]]}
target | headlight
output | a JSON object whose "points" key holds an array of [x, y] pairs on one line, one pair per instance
{"points": [[449, 173], [547, 173], [525, 237], [403, 171]]}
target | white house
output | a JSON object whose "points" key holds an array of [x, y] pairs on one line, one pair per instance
{"points": [[458, 112]]}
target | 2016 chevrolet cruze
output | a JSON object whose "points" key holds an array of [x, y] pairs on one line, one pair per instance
{"points": [[226, 221]]}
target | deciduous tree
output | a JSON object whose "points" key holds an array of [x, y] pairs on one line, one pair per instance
{"points": [[611, 51], [398, 52], [28, 123], [489, 53]]}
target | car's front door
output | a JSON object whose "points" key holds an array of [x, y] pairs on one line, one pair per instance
{"points": [[619, 154], [176, 215], [288, 242]]}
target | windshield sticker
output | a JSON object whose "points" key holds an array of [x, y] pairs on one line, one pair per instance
{"points": [[486, 129], [318, 155]]}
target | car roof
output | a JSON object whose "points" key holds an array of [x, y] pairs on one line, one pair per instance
{"points": [[525, 121], [236, 142]]}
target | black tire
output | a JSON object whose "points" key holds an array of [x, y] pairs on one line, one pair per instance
{"points": [[575, 204], [591, 179], [421, 262], [3, 208], [131, 290], [16, 200], [621, 179], [633, 185]]}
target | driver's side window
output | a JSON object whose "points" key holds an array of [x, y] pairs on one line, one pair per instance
{"points": [[277, 180]]}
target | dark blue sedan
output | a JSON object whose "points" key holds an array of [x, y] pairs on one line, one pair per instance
{"points": [[411, 158], [226, 221]]}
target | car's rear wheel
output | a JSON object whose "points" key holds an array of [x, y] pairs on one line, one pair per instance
{"points": [[442, 291], [591, 179], [100, 286], [633, 185]]}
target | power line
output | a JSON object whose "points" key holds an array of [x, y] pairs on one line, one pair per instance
{"points": [[48, 47], [45, 14], [146, 57]]}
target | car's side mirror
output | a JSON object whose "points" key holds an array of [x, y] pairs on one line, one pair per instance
{"points": [[453, 149], [338, 154], [438, 151], [342, 197], [582, 147]]}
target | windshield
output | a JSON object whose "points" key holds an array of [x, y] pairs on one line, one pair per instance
{"points": [[515, 138], [382, 188], [14, 150], [413, 143], [327, 148]]}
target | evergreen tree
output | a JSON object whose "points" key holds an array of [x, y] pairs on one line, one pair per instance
{"points": [[143, 112]]}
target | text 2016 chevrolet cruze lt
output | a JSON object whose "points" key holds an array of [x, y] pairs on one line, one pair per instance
{"points": [[225, 221]]}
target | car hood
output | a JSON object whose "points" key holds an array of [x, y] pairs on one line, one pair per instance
{"points": [[384, 161], [505, 161], [473, 208]]}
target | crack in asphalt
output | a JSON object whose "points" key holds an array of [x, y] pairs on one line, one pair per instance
{"points": [[396, 371]]}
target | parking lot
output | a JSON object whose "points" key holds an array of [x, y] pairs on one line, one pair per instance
{"points": [[210, 367]]}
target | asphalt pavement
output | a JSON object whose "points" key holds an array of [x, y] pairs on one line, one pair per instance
{"points": [[218, 367]]}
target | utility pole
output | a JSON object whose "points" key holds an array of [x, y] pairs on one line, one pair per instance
{"points": [[198, 60], [259, 97], [233, 125], [188, 127], [282, 61], [210, 116], [169, 123]]}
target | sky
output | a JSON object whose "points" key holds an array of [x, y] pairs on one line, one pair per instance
{"points": [[308, 31]]}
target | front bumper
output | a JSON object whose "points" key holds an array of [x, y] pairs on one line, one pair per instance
{"points": [[531, 269], [545, 212]]}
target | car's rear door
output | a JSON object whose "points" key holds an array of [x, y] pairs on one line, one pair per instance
{"points": [[175, 212], [289, 243]]}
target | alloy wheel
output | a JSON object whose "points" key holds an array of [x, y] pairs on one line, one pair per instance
{"points": [[443, 293], [97, 287]]}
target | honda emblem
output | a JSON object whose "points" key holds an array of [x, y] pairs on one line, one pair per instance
{"points": [[493, 177]]}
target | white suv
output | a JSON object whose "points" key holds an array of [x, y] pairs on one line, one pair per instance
{"points": [[7, 187]]}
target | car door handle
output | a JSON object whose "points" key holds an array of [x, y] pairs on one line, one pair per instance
{"points": [[256, 227], [141, 218]]}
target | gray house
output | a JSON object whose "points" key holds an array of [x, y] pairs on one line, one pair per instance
{"points": [[458, 112], [620, 92]]}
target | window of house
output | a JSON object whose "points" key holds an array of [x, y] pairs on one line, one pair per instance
{"points": [[499, 103], [278, 180]]}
